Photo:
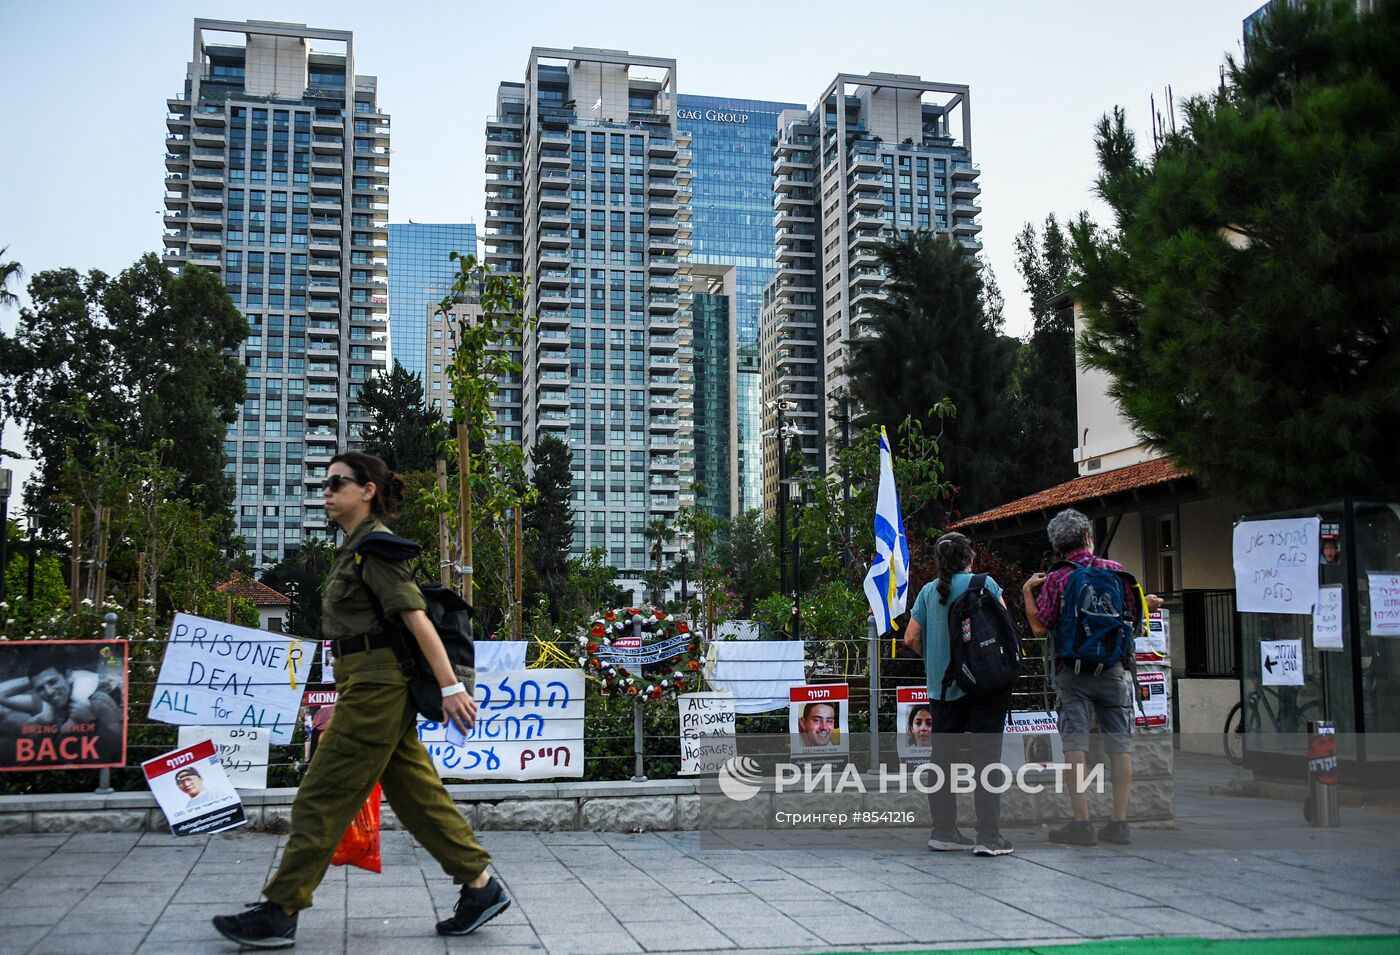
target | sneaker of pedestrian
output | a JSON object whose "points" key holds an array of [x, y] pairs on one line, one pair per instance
{"points": [[1077, 833], [474, 908], [261, 925], [1115, 832], [949, 840], [993, 847]]}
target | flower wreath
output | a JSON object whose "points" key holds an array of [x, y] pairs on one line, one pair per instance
{"points": [[674, 675]]}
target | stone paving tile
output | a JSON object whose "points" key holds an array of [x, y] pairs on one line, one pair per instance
{"points": [[853, 930], [108, 943], [101, 842], [18, 936], [588, 943], [660, 937]]}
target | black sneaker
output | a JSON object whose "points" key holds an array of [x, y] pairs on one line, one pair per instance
{"points": [[474, 908], [1077, 833], [993, 847], [263, 925], [949, 840], [1116, 833]]}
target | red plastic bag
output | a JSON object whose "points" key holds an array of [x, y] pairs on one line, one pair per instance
{"points": [[360, 844]]}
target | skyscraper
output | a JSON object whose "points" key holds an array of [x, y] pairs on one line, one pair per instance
{"points": [[588, 194], [421, 272], [277, 161], [731, 261], [878, 153]]}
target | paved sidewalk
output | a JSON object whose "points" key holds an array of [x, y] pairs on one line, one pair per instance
{"points": [[1233, 868]]}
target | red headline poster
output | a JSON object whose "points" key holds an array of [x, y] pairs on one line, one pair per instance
{"points": [[62, 704], [194, 791]]}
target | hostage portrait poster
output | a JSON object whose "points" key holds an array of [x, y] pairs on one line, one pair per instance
{"points": [[62, 704]]}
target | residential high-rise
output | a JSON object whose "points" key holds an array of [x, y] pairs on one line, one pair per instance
{"points": [[588, 194], [278, 177], [878, 153], [731, 231], [421, 272]]}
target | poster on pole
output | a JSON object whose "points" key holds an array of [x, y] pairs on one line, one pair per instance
{"points": [[1152, 707], [529, 725], [327, 661], [62, 704], [1276, 566], [819, 720], [1153, 645], [1327, 619], [193, 791], [219, 674], [708, 732], [1031, 738], [1385, 604], [242, 751], [1281, 662], [914, 724]]}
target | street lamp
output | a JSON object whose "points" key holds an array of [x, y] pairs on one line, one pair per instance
{"points": [[795, 494], [685, 556], [6, 476]]}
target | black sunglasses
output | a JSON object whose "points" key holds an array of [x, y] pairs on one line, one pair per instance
{"points": [[337, 481]]}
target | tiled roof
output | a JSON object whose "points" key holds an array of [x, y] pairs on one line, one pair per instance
{"points": [[260, 594], [1087, 488]]}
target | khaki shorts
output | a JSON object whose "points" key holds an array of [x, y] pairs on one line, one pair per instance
{"points": [[1080, 695]]}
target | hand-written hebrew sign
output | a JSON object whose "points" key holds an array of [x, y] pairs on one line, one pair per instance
{"points": [[1385, 604], [1276, 566], [529, 725], [217, 674], [242, 752], [1327, 619], [708, 736]]}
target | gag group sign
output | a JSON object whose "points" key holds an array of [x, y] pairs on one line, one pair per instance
{"points": [[218, 674], [529, 725], [62, 704]]}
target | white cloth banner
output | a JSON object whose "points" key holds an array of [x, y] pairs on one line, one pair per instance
{"points": [[493, 655], [758, 672]]}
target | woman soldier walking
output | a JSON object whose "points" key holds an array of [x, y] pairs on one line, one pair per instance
{"points": [[374, 735]]}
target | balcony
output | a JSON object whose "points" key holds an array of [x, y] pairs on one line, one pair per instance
{"points": [[323, 306], [554, 237], [325, 225], [328, 184], [553, 318], [208, 135], [965, 187], [965, 170], [553, 278], [321, 163], [662, 224], [865, 162], [207, 198], [662, 187], [867, 277], [325, 203], [553, 297], [554, 257], [664, 303], [663, 344], [663, 263], [553, 198], [863, 219], [551, 398], [327, 123], [966, 226], [210, 176]]}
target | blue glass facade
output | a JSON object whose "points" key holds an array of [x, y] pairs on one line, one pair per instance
{"points": [[420, 272], [732, 225]]}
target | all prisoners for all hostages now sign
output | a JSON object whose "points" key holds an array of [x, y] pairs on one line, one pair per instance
{"points": [[1276, 565], [529, 725], [219, 674]]}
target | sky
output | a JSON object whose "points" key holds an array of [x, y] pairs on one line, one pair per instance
{"points": [[85, 86]]}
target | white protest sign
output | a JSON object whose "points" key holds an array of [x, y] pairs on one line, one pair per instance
{"points": [[218, 674], [1031, 738], [1276, 566], [242, 752], [1152, 707], [1281, 662], [193, 791], [1385, 604], [327, 661], [529, 725], [1152, 646], [1327, 619], [708, 734]]}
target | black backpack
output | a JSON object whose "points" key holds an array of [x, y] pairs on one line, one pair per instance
{"points": [[984, 648], [449, 613]]}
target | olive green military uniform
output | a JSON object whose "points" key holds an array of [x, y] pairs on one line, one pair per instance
{"points": [[373, 738]]}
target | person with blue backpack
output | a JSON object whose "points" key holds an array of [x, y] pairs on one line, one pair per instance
{"points": [[1093, 608], [960, 626]]}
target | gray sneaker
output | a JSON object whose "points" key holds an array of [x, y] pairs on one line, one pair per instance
{"points": [[1077, 833], [949, 840], [993, 847]]}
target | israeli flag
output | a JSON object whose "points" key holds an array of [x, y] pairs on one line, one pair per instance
{"points": [[887, 583]]}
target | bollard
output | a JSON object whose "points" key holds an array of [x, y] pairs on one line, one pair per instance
{"points": [[1322, 808], [104, 775], [638, 774], [874, 669]]}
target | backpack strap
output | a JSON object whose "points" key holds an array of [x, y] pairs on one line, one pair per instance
{"points": [[392, 548]]}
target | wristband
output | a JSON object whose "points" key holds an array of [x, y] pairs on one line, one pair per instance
{"points": [[453, 690]]}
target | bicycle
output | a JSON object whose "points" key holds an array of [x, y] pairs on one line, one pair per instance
{"points": [[1245, 716]]}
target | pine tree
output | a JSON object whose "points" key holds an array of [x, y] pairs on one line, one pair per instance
{"points": [[933, 338], [1245, 300], [405, 432], [549, 519]]}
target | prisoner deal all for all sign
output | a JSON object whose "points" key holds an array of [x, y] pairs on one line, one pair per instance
{"points": [[62, 704], [219, 674]]}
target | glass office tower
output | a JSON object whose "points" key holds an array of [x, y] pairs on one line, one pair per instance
{"points": [[277, 160], [420, 274], [731, 228]]}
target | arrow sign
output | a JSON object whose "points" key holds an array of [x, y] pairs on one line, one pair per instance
{"points": [[1281, 662], [1269, 663]]}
